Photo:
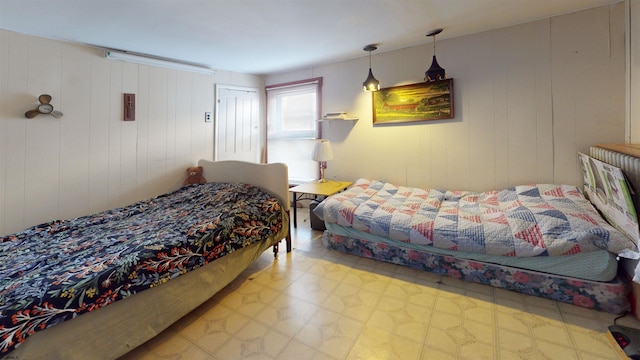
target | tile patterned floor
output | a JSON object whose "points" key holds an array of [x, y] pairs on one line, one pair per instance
{"points": [[319, 304]]}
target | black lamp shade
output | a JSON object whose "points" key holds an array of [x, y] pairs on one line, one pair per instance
{"points": [[435, 72], [371, 84]]}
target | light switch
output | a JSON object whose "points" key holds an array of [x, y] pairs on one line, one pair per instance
{"points": [[207, 116]]}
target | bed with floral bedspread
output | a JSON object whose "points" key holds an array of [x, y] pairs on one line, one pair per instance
{"points": [[56, 271], [538, 239]]}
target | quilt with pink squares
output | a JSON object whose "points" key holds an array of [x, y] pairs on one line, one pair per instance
{"points": [[525, 220]]}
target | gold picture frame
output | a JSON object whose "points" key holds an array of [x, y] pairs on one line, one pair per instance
{"points": [[431, 100]]}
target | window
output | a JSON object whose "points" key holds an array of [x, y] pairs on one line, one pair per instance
{"points": [[293, 110]]}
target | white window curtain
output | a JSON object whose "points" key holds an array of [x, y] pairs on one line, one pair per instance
{"points": [[293, 110]]}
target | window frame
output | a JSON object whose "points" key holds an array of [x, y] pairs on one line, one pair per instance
{"points": [[306, 134]]}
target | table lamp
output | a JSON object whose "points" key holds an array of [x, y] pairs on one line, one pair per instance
{"points": [[322, 152]]}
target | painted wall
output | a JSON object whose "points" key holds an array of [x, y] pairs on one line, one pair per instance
{"points": [[633, 95], [527, 99], [90, 160]]}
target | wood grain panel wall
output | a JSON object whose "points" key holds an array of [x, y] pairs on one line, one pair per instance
{"points": [[90, 160]]}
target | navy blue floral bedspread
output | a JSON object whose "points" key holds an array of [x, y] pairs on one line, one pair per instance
{"points": [[58, 270]]}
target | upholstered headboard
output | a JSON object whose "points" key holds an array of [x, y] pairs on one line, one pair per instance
{"points": [[272, 177]]}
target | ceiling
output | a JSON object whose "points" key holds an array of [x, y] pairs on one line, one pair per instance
{"points": [[268, 36]]}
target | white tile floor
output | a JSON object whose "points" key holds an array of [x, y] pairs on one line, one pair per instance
{"points": [[316, 303]]}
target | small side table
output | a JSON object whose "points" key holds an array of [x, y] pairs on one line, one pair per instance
{"points": [[316, 189]]}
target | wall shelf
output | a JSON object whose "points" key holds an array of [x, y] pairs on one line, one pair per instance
{"points": [[345, 119], [340, 116]]}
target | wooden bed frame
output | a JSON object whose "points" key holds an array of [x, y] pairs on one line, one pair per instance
{"points": [[118, 328]]}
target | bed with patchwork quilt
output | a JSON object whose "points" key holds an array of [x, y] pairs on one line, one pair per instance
{"points": [[541, 239], [66, 270]]}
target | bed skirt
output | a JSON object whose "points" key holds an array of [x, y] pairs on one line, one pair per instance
{"points": [[610, 296]]}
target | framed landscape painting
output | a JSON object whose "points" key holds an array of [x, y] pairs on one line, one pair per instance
{"points": [[425, 101]]}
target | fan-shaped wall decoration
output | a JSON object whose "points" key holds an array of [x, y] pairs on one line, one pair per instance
{"points": [[45, 107]]}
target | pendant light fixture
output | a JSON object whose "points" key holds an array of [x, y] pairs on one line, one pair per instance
{"points": [[371, 84], [435, 72]]}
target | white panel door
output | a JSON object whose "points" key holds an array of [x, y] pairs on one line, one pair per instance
{"points": [[237, 124]]}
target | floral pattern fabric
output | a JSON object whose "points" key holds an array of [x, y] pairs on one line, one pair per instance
{"points": [[605, 296], [58, 270]]}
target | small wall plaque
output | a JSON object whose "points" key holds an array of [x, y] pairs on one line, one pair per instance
{"points": [[129, 107]]}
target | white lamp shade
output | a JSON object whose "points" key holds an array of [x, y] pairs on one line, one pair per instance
{"points": [[322, 151]]}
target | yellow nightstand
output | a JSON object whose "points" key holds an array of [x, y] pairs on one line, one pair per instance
{"points": [[315, 189]]}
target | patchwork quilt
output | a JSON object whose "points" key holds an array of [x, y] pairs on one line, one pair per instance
{"points": [[55, 271], [527, 220]]}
